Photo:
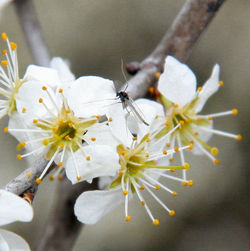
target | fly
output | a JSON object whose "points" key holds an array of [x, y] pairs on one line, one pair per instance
{"points": [[129, 102]]}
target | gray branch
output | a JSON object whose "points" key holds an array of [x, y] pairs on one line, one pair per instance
{"points": [[179, 41], [33, 32]]}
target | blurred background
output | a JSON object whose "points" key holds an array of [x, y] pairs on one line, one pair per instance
{"points": [[94, 36]]}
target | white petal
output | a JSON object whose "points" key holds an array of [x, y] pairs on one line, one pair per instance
{"points": [[18, 122], [28, 97], [90, 95], [209, 88], [46, 76], [91, 206], [102, 134], [15, 242], [119, 124], [104, 161], [149, 109], [63, 69], [177, 83], [13, 208], [3, 244]]}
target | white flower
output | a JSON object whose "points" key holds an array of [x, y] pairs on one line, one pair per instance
{"points": [[11, 83], [60, 129], [138, 171], [182, 102], [13, 208]]}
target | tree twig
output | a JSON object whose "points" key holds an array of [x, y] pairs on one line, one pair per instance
{"points": [[32, 30], [179, 40], [63, 228]]}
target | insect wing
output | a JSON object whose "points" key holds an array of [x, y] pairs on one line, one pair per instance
{"points": [[135, 110]]}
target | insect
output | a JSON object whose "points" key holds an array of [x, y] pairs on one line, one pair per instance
{"points": [[128, 102]]}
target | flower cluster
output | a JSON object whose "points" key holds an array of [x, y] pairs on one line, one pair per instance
{"points": [[89, 130]]}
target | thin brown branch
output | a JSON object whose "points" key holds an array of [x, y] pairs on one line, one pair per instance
{"points": [[179, 41], [32, 30], [63, 228]]}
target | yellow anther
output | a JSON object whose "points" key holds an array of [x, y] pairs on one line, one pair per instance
{"points": [[210, 118], [110, 119], [199, 89], [184, 183], [4, 62], [221, 83], [45, 142], [35, 121], [143, 203], [88, 158], [176, 105], [61, 144], [60, 163], [123, 153], [120, 173], [98, 117], [196, 133], [40, 100], [148, 139], [128, 218], [67, 137], [186, 166], [4, 36], [4, 52], [70, 124], [165, 152], [182, 122], [167, 123], [151, 90], [174, 193], [44, 88], [172, 213], [29, 175], [216, 161], [157, 116], [190, 183], [60, 177], [168, 144], [156, 222], [19, 156], [125, 192], [38, 180], [143, 164], [78, 178], [190, 146], [147, 155], [171, 159], [51, 178], [93, 139], [142, 188], [24, 110], [60, 90], [157, 187], [239, 137], [172, 170], [134, 138], [6, 129], [13, 46], [54, 129], [21, 145], [176, 149], [214, 151], [234, 111], [158, 74]]}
